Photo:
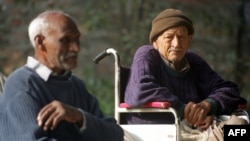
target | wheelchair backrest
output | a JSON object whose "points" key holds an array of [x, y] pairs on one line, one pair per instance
{"points": [[124, 75]]}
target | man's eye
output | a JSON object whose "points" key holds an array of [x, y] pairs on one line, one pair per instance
{"points": [[182, 37], [65, 40], [168, 37]]}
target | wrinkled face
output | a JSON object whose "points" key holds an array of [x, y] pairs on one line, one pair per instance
{"points": [[61, 46], [173, 43]]}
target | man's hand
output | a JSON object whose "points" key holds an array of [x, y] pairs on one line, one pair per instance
{"points": [[206, 123], [55, 112], [195, 113]]}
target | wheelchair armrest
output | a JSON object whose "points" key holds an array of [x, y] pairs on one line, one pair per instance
{"points": [[163, 105], [241, 113], [242, 106]]}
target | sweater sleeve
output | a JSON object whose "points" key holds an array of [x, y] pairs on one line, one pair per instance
{"points": [[98, 126], [20, 112], [212, 86]]}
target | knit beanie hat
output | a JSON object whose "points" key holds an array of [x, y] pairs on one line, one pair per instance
{"points": [[167, 19]]}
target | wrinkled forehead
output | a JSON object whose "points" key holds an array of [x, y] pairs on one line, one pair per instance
{"points": [[61, 22], [176, 30]]}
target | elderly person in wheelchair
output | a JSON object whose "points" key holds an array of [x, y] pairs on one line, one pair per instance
{"points": [[168, 71]]}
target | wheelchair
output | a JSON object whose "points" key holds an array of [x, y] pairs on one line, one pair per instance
{"points": [[146, 132]]}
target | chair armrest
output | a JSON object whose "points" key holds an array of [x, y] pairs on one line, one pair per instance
{"points": [[163, 105], [242, 106]]}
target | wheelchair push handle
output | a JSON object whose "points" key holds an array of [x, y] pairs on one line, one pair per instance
{"points": [[105, 53], [100, 56]]}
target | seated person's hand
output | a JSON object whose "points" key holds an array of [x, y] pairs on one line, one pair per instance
{"points": [[196, 113], [55, 112], [205, 123]]}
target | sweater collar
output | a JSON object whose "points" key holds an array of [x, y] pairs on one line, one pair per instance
{"points": [[42, 70], [183, 68]]}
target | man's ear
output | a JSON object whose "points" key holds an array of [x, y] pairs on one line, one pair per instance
{"points": [[155, 45], [39, 41], [190, 39]]}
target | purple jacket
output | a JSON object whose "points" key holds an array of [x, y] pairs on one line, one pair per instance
{"points": [[152, 80]]}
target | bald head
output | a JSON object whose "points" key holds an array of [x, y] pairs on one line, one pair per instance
{"points": [[46, 22], [55, 37]]}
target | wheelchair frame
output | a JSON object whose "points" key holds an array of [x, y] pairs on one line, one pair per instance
{"points": [[168, 132]]}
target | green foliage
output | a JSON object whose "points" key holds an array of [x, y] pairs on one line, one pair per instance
{"points": [[100, 86], [103, 90], [96, 20]]}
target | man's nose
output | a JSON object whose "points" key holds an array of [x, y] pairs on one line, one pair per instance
{"points": [[75, 46], [175, 42]]}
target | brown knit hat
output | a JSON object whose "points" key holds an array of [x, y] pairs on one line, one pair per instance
{"points": [[167, 19]]}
